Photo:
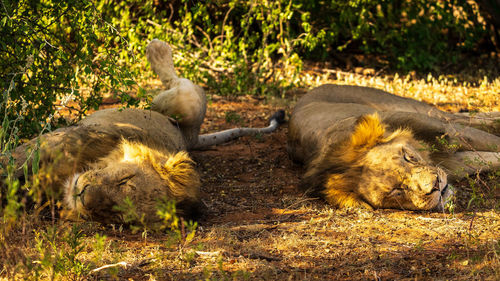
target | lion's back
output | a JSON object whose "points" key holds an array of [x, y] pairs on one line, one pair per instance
{"points": [[375, 98], [318, 124], [144, 126]]}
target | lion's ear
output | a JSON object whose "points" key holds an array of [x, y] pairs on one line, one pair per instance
{"points": [[368, 132], [179, 173]]}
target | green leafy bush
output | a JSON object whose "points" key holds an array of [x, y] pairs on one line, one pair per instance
{"points": [[232, 47], [411, 35], [256, 47], [53, 52]]}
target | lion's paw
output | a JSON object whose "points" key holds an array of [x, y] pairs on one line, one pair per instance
{"points": [[159, 55]]}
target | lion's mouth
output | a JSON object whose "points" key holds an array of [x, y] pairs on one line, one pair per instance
{"points": [[444, 190], [78, 194], [444, 197], [435, 188]]}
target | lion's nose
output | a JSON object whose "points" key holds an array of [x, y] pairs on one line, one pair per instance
{"points": [[435, 187]]}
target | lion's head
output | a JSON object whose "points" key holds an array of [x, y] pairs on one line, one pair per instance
{"points": [[137, 173], [379, 169]]}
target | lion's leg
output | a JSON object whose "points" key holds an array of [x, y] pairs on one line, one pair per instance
{"points": [[207, 140], [480, 117], [159, 55], [182, 100], [462, 151], [488, 121], [460, 164], [445, 135]]}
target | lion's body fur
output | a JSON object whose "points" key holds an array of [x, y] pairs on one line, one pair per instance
{"points": [[335, 130]]}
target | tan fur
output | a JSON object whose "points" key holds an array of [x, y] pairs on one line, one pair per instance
{"points": [[365, 147]]}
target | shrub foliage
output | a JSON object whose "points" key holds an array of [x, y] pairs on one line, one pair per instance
{"points": [[411, 35], [52, 52]]}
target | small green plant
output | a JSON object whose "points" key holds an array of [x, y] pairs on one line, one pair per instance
{"points": [[188, 256], [11, 211], [130, 216], [259, 137], [445, 144], [450, 206], [74, 242], [58, 256], [166, 209], [98, 247], [477, 197], [180, 230], [176, 117]]}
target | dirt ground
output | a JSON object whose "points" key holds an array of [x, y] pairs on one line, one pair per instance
{"points": [[258, 226]]}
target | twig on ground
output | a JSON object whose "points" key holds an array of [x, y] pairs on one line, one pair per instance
{"points": [[208, 254], [434, 219], [261, 257], [122, 263]]}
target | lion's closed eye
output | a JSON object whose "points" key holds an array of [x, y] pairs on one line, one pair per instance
{"points": [[83, 190], [82, 194], [125, 180], [410, 157], [395, 192]]}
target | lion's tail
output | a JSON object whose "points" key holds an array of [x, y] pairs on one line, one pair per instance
{"points": [[207, 140]]}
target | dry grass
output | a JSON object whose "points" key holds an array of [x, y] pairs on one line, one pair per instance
{"points": [[257, 226], [446, 92]]}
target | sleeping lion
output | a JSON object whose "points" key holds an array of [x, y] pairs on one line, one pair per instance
{"points": [[138, 155], [366, 147]]}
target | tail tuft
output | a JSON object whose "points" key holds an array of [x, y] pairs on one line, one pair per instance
{"points": [[279, 116]]}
